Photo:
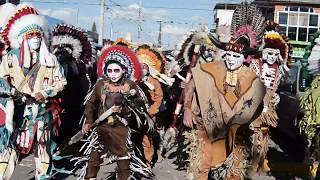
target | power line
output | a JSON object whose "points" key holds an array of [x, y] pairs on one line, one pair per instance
{"points": [[117, 5]]}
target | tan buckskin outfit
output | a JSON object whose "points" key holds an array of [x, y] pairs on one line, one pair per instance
{"points": [[156, 97], [220, 110]]}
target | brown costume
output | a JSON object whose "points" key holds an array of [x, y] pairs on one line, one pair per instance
{"points": [[156, 96], [220, 109], [113, 133]]}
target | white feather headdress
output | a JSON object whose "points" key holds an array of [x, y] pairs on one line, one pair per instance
{"points": [[26, 19]]}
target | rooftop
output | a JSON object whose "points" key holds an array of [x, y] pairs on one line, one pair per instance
{"points": [[288, 2], [226, 6]]}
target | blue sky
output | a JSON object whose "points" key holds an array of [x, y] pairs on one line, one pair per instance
{"points": [[122, 16]]}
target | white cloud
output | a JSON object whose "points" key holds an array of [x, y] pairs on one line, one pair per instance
{"points": [[199, 19], [131, 13], [174, 30], [69, 16], [86, 22]]}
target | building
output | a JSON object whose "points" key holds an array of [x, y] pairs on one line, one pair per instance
{"points": [[15, 2], [223, 13], [298, 19]]}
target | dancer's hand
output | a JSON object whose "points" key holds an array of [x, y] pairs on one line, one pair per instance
{"points": [[189, 118], [39, 97], [86, 128], [116, 109]]}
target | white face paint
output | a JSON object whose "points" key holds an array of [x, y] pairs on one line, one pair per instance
{"points": [[114, 72], [234, 60], [34, 43], [271, 55], [145, 69]]}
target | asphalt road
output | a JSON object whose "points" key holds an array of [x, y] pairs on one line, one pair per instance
{"points": [[164, 170]]}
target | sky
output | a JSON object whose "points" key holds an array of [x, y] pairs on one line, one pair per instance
{"points": [[121, 17]]}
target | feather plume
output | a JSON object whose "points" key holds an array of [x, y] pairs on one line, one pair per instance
{"points": [[248, 19]]}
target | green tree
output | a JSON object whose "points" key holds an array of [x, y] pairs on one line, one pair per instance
{"points": [[94, 27]]}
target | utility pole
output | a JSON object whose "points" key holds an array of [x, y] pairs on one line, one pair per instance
{"points": [[160, 32], [111, 30], [140, 21], [101, 28]]}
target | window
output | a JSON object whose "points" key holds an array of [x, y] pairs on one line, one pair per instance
{"points": [[303, 19], [294, 8], [313, 20], [302, 34], [311, 32], [292, 33], [283, 29], [293, 19], [283, 18], [298, 23], [304, 9]]}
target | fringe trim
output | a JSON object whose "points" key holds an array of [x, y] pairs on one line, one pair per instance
{"points": [[229, 168], [194, 149], [91, 143]]}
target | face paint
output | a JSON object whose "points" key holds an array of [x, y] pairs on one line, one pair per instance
{"points": [[233, 60], [145, 69], [34, 43], [207, 56], [271, 55], [114, 72]]}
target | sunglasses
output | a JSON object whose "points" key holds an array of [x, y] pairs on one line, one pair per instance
{"points": [[113, 70]]}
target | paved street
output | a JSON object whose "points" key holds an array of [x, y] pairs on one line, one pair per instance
{"points": [[164, 170]]}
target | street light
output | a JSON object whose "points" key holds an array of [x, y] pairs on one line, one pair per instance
{"points": [[160, 31]]}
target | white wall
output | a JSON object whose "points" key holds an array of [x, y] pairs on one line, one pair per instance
{"points": [[225, 17]]}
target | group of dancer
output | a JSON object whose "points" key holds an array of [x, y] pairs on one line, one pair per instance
{"points": [[127, 101]]}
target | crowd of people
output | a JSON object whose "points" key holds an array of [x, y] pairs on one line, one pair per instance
{"points": [[130, 104]]}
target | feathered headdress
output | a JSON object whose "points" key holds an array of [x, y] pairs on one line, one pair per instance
{"points": [[25, 21], [247, 28], [7, 10], [122, 42], [192, 44], [75, 40], [124, 56], [275, 40], [155, 61]]}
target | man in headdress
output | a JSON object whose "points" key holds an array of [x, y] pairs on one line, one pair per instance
{"points": [[151, 62], [270, 68], [110, 96], [32, 70], [221, 97]]}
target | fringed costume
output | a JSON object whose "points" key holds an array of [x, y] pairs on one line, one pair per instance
{"points": [[117, 66], [221, 101], [270, 68], [30, 69]]}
